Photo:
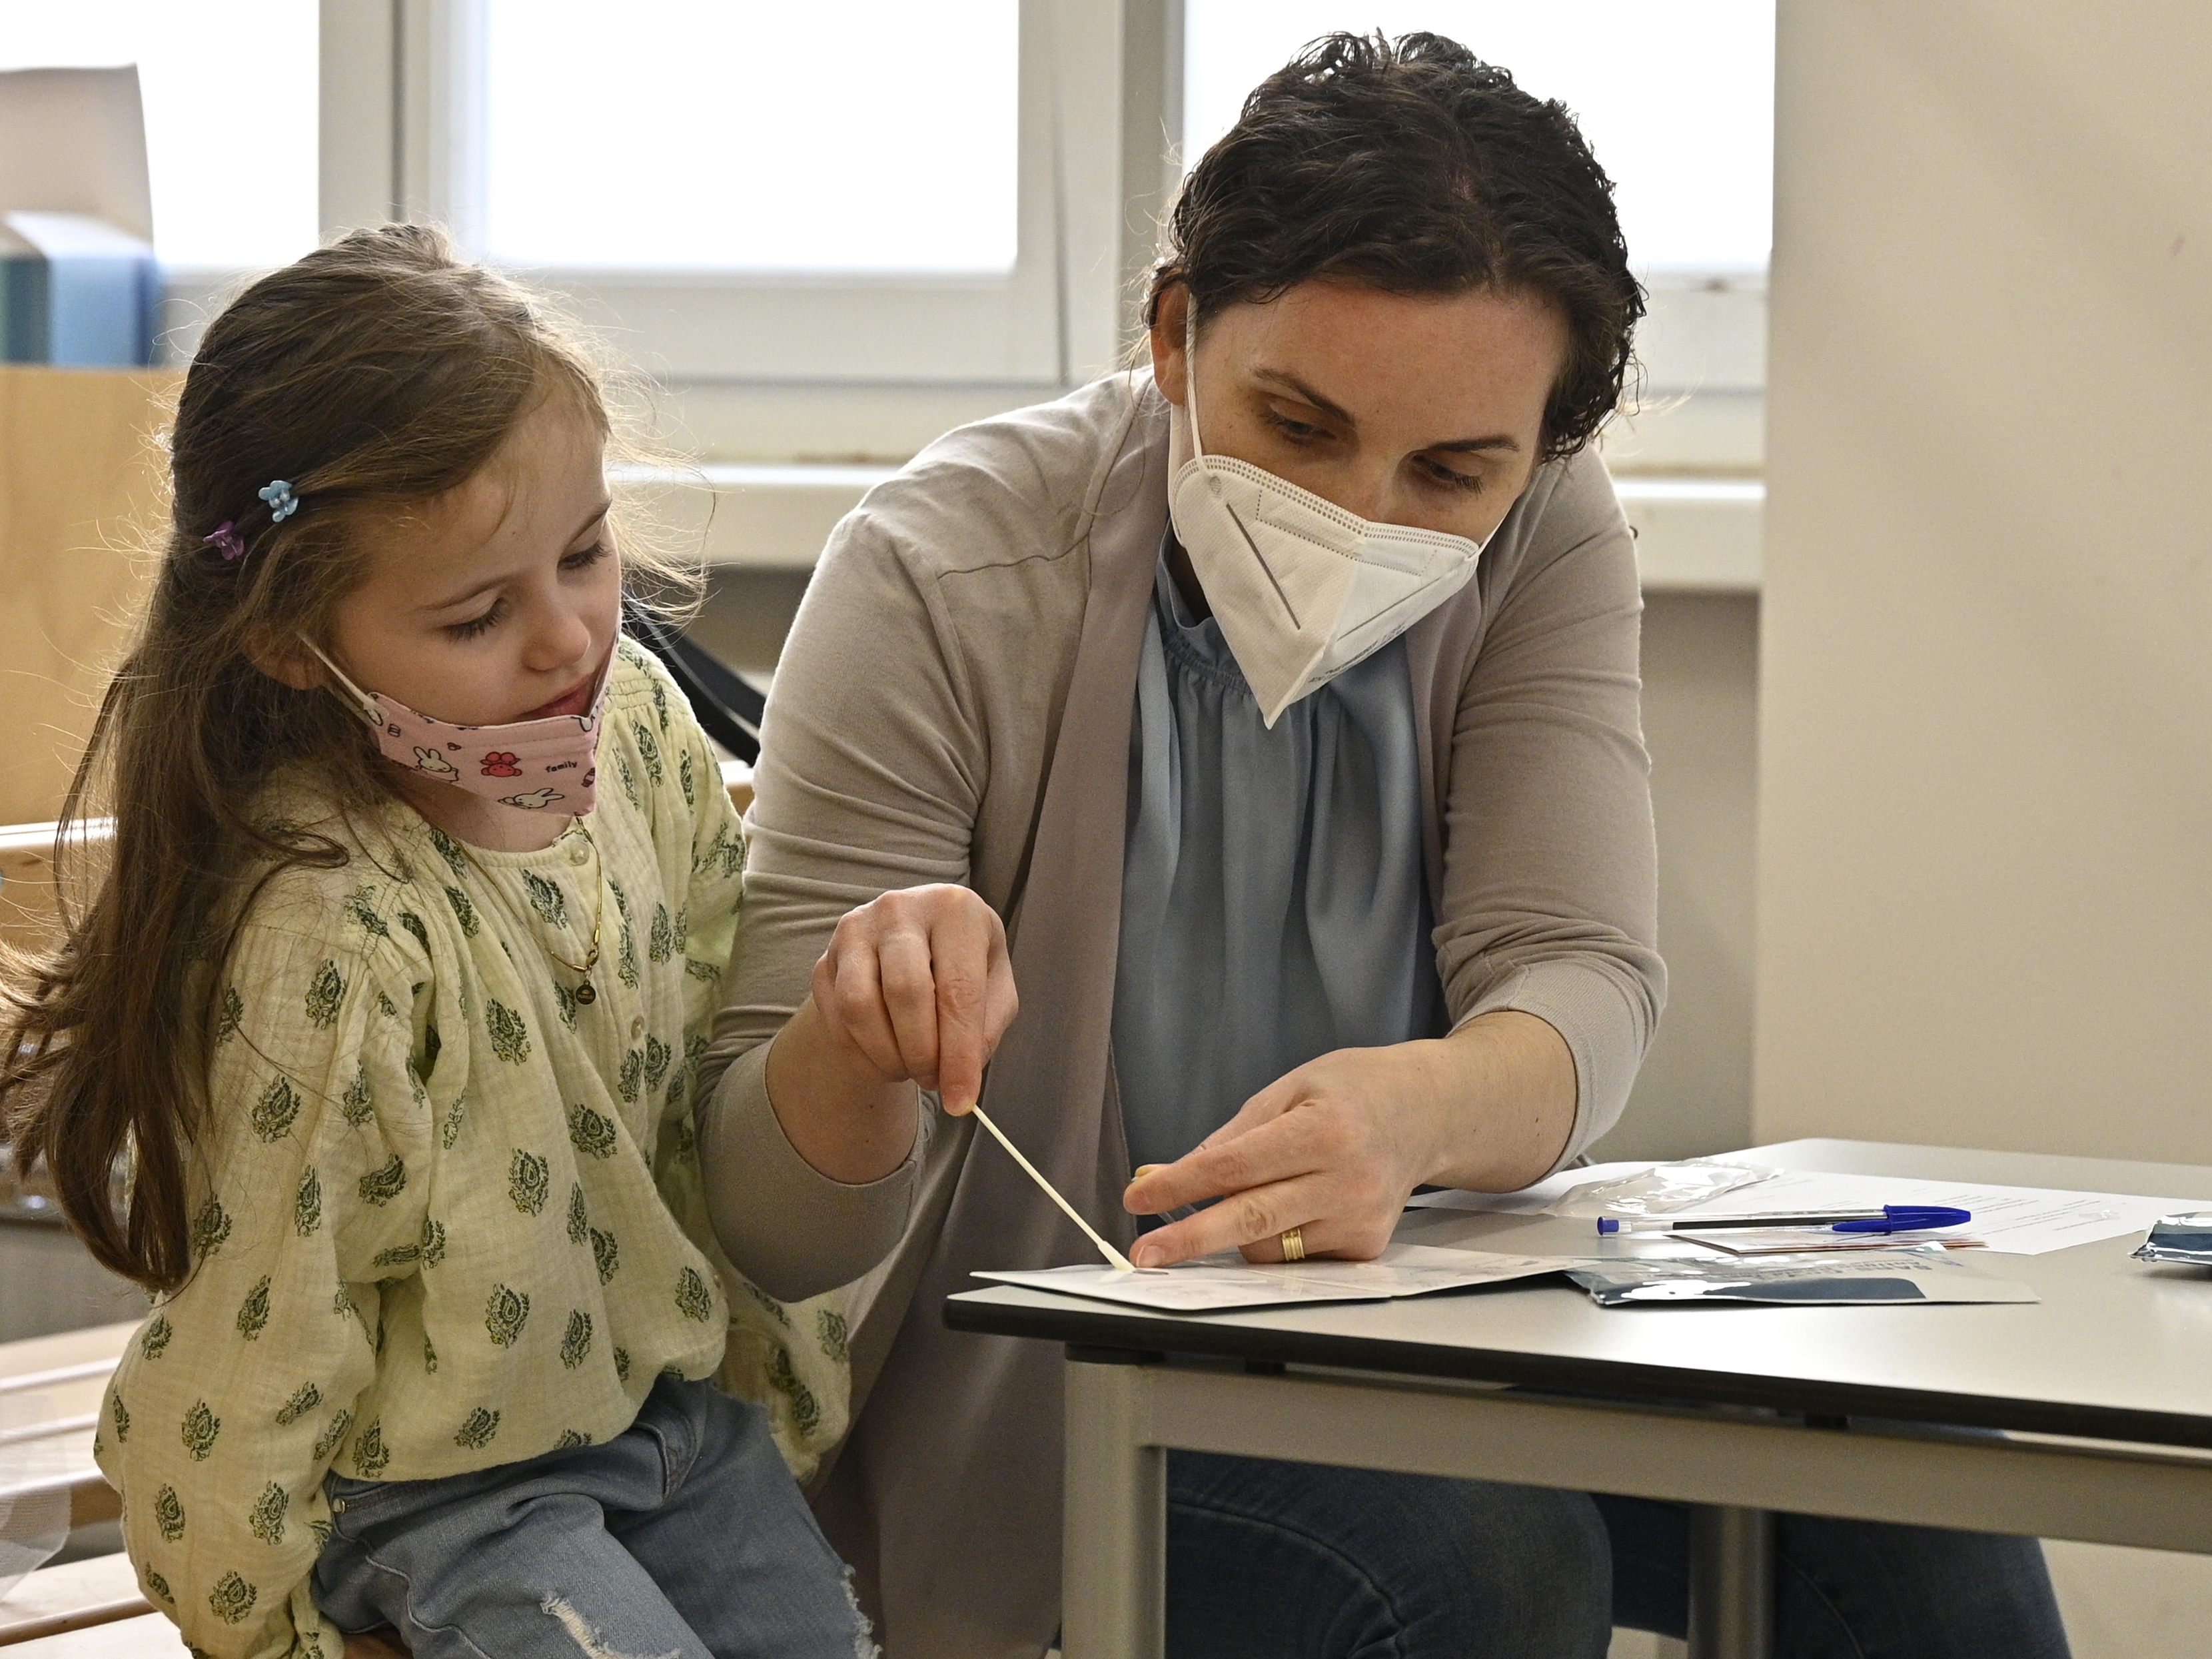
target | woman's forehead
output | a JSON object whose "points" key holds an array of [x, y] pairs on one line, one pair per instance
{"points": [[1483, 358]]}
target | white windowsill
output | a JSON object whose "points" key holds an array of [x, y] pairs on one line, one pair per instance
{"points": [[1696, 535], [1692, 535]]}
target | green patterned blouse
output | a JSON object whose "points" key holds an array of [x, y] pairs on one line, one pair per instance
{"points": [[448, 1213]]}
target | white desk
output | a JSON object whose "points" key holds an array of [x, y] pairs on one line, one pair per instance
{"points": [[1856, 1412]]}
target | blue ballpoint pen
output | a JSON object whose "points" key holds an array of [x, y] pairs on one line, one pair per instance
{"points": [[1889, 1218]]}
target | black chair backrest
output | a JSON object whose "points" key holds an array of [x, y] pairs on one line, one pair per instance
{"points": [[728, 708]]}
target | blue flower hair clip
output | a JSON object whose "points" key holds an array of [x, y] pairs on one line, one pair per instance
{"points": [[283, 503]]}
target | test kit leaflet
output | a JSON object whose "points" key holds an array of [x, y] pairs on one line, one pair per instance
{"points": [[2008, 1220]]}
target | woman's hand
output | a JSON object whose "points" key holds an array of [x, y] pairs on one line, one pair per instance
{"points": [[372, 1647], [1335, 1147], [916, 988]]}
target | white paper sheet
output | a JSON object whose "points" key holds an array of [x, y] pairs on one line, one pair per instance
{"points": [[1529, 1201], [1225, 1281], [2009, 1220]]}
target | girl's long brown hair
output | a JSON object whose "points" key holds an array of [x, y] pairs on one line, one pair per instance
{"points": [[374, 375]]}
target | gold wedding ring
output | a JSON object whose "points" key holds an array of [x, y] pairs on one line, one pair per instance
{"points": [[1294, 1245]]}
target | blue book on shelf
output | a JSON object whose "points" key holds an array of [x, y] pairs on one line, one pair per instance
{"points": [[74, 291]]}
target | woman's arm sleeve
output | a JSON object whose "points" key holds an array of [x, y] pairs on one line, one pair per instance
{"points": [[870, 773], [245, 1382], [1550, 895]]}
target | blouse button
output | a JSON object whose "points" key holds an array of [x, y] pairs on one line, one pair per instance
{"points": [[637, 1027], [580, 855]]}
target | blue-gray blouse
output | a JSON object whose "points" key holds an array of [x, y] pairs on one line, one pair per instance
{"points": [[1273, 903]]}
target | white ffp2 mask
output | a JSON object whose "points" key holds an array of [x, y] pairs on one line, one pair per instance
{"points": [[1302, 588]]}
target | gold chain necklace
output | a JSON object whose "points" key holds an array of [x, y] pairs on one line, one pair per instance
{"points": [[584, 993]]}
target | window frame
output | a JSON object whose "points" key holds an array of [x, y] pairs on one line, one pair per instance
{"points": [[402, 68], [1102, 85]]}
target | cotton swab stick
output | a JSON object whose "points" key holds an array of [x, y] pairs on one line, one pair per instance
{"points": [[1052, 1193]]}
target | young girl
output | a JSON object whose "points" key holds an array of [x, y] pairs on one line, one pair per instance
{"points": [[391, 1002]]}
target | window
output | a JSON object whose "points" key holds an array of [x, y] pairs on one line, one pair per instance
{"points": [[721, 139], [229, 89], [834, 230], [859, 190], [1677, 98]]}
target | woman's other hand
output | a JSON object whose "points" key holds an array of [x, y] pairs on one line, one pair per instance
{"points": [[372, 1647], [916, 988], [1335, 1147]]}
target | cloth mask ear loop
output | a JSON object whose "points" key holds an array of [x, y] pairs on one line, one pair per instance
{"points": [[369, 706]]}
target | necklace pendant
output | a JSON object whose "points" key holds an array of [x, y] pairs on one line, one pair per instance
{"points": [[585, 994]]}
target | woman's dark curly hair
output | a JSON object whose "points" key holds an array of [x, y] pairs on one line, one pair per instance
{"points": [[1413, 166]]}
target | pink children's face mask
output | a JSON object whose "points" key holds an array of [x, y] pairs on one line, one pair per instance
{"points": [[546, 765]]}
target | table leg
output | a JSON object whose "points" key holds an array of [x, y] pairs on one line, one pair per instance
{"points": [[1114, 1547], [1731, 1583]]}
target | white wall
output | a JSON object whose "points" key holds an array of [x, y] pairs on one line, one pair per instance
{"points": [[1700, 670], [1986, 760], [1986, 823]]}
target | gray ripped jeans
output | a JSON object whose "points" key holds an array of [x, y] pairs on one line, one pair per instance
{"points": [[682, 1538]]}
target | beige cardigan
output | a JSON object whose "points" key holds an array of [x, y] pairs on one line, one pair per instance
{"points": [[953, 705]]}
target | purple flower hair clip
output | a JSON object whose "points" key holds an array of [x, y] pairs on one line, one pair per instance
{"points": [[225, 537]]}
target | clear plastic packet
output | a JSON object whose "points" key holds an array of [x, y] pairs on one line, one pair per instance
{"points": [[1927, 1274], [2180, 1238], [35, 1500], [1664, 1189]]}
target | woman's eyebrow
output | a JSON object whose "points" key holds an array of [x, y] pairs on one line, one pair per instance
{"points": [[1330, 407], [1337, 412]]}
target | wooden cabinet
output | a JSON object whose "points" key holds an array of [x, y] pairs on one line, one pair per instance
{"points": [[82, 490]]}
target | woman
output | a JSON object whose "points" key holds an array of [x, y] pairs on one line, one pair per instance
{"points": [[1284, 704]]}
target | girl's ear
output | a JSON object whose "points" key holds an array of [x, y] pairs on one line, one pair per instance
{"points": [[287, 664]]}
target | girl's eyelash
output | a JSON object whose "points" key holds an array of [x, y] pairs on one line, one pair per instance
{"points": [[1450, 478], [479, 625], [476, 627]]}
